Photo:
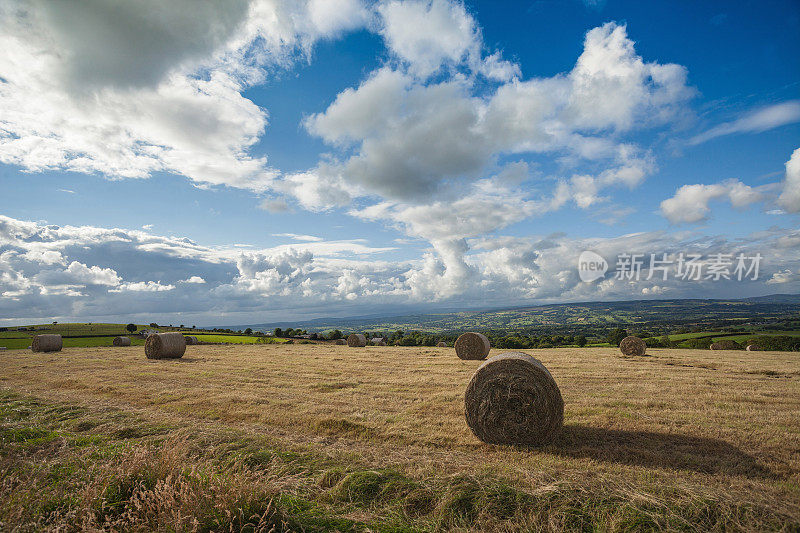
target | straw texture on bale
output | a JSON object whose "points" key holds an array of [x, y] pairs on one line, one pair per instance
{"points": [[441, 345], [191, 340], [753, 348], [356, 340], [165, 346], [725, 345], [513, 399], [632, 346], [474, 346], [47, 343], [341, 342], [122, 341]]}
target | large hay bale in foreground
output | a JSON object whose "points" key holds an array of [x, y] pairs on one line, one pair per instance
{"points": [[165, 346], [632, 345], [513, 399], [753, 348], [190, 340], [726, 344], [441, 344], [47, 343], [341, 342], [121, 341], [356, 340], [473, 346]]}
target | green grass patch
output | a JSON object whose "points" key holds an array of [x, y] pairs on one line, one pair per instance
{"points": [[371, 486], [237, 339]]}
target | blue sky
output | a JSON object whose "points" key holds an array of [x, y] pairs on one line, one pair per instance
{"points": [[263, 160]]}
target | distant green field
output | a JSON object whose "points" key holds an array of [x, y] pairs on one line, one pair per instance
{"points": [[684, 336], [13, 339], [717, 335], [22, 343], [73, 329], [236, 339], [16, 344], [748, 336]]}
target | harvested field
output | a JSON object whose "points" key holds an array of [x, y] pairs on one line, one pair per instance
{"points": [[324, 437]]}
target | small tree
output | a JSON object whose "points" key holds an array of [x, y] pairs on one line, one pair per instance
{"points": [[131, 328], [248, 331], [278, 332], [335, 335], [616, 336], [581, 341], [153, 325]]}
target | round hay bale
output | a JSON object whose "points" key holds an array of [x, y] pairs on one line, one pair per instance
{"points": [[341, 342], [632, 346], [441, 344], [356, 340], [473, 346], [165, 346], [725, 344], [122, 341], [513, 399], [379, 343], [191, 340], [754, 348], [47, 343]]}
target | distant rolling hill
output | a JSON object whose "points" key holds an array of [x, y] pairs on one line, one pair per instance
{"points": [[586, 316]]}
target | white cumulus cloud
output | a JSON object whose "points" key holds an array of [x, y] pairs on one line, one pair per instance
{"points": [[691, 202], [790, 197], [430, 34]]}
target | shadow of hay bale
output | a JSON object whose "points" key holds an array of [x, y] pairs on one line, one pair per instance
{"points": [[657, 450]]}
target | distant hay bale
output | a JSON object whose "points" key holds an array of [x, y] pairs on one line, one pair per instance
{"points": [[356, 340], [341, 342], [47, 343], [753, 348], [726, 344], [122, 341], [441, 344], [379, 343], [632, 345], [513, 399], [165, 346], [473, 346], [191, 340]]}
